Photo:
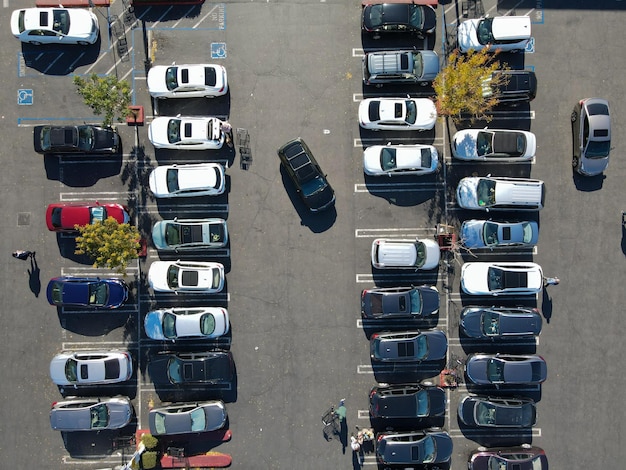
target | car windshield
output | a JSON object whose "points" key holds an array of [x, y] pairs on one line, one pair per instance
{"points": [[527, 230], [422, 347], [429, 449], [85, 137], [485, 413], [422, 401], [44, 138], [486, 192], [97, 214], [420, 254], [416, 17], [169, 325], [172, 234], [497, 463], [71, 370], [198, 420], [98, 293], [99, 416], [159, 423], [174, 368], [172, 276], [216, 278], [491, 323], [57, 292], [173, 131], [495, 370], [483, 31], [597, 149], [484, 143], [171, 78], [490, 233], [61, 22], [171, 177], [411, 111], [207, 324], [495, 279], [416, 301], [388, 159], [313, 186], [418, 64]]}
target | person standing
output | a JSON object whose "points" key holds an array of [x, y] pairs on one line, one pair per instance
{"points": [[227, 129]]}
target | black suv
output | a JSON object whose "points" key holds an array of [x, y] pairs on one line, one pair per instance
{"points": [[407, 401], [307, 175], [519, 86]]}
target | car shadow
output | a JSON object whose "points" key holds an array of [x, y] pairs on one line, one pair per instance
{"points": [[52, 59], [397, 373], [72, 171], [588, 183], [100, 444]]}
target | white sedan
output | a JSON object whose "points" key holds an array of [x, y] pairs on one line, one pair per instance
{"points": [[187, 81], [494, 145], [400, 160], [501, 278], [39, 26], [187, 323], [201, 179], [91, 367], [186, 133], [186, 276], [397, 114]]}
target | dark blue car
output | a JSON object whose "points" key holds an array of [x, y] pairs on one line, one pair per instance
{"points": [[90, 292]]}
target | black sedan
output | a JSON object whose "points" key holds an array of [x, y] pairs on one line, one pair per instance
{"points": [[496, 323], [506, 369], [75, 139], [516, 87], [400, 302], [209, 368], [497, 412], [398, 16], [407, 401], [408, 346]]}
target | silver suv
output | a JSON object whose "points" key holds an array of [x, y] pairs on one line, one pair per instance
{"points": [[408, 67]]}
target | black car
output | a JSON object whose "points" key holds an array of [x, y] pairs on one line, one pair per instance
{"points": [[307, 176], [398, 17], [211, 368], [413, 447], [517, 86], [505, 369], [407, 401], [497, 412], [400, 302], [500, 322], [75, 139], [408, 346]]}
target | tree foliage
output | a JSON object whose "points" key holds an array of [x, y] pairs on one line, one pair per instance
{"points": [[110, 244], [105, 95], [459, 86]]}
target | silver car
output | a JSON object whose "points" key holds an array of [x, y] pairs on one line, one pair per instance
{"points": [[91, 414], [187, 418], [591, 130], [182, 234], [492, 234]]}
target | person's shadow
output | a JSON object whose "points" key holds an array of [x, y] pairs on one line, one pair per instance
{"points": [[33, 276], [343, 434], [546, 305]]}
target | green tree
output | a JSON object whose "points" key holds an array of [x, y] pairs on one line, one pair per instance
{"points": [[105, 95], [460, 85], [110, 244]]}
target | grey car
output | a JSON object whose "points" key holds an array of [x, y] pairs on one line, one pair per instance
{"points": [[591, 130], [187, 418], [408, 346], [413, 447], [478, 234], [500, 323], [412, 401], [400, 67], [91, 414], [400, 302], [506, 369], [191, 234], [491, 412]]}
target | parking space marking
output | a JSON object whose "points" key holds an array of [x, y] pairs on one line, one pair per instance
{"points": [[87, 345], [365, 278], [529, 389], [118, 311], [394, 232], [368, 369], [358, 97], [222, 253], [217, 298], [467, 342], [396, 187], [457, 297], [35, 121], [487, 253], [187, 208], [456, 162], [96, 195], [99, 272]]}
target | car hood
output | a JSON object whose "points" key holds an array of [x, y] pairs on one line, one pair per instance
{"points": [[437, 345], [474, 278], [82, 23], [157, 370], [471, 322], [157, 275], [433, 253], [120, 414], [471, 233], [57, 370], [444, 446], [430, 64], [466, 193], [437, 399], [464, 143], [158, 235], [593, 166], [466, 410], [430, 301], [476, 369], [118, 294], [153, 325]]}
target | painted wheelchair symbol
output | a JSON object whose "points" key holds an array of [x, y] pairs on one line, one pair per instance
{"points": [[24, 97], [530, 46], [218, 50]]}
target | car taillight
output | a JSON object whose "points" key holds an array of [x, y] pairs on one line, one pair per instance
{"points": [[54, 404], [221, 89], [363, 293], [380, 438]]}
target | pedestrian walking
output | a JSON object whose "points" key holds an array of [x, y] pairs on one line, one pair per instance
{"points": [[551, 281], [341, 411], [23, 254]]}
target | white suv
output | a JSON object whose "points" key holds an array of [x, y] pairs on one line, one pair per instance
{"points": [[500, 193], [506, 33], [405, 254]]}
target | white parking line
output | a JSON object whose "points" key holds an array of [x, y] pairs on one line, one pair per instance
{"points": [[192, 208], [87, 195], [478, 343], [98, 272], [456, 297], [456, 162], [89, 345], [394, 232], [185, 299]]}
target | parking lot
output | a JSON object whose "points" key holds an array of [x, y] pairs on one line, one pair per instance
{"points": [[294, 278]]}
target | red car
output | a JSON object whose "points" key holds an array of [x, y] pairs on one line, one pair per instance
{"points": [[64, 216]]}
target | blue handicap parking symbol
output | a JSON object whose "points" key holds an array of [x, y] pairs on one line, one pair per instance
{"points": [[218, 50], [24, 97], [530, 46]]}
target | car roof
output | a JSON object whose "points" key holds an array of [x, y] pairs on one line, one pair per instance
{"points": [[511, 27]]}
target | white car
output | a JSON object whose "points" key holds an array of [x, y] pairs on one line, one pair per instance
{"points": [[39, 26], [415, 254], [186, 276], [186, 133], [200, 179], [91, 367], [187, 81], [187, 323], [397, 114], [501, 278], [392, 160], [505, 33], [489, 193], [497, 145]]}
